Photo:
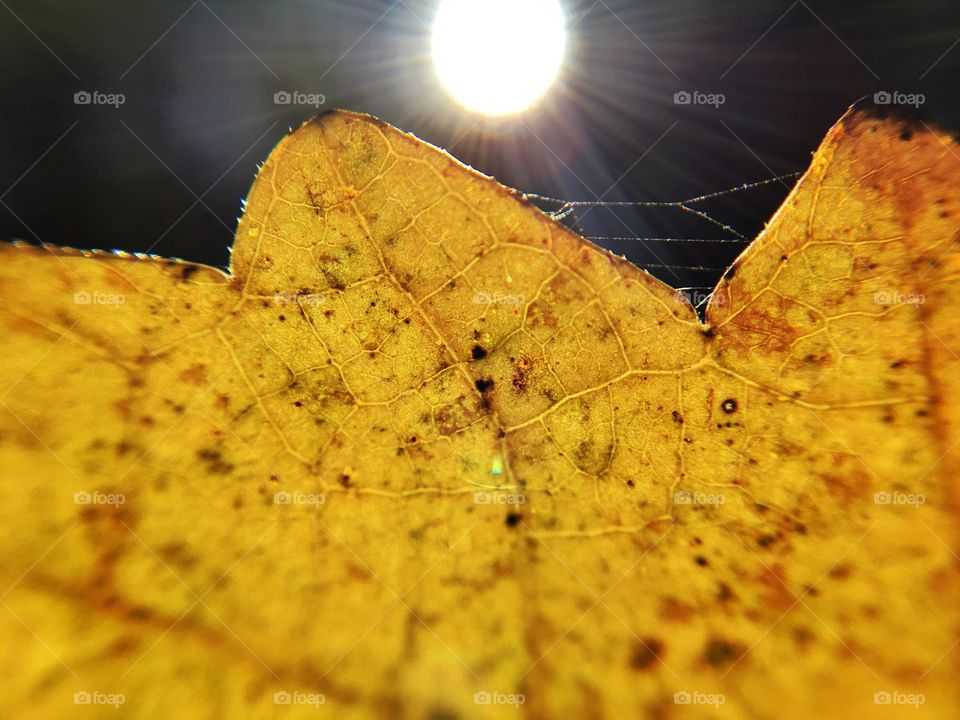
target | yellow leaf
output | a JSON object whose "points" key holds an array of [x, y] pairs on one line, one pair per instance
{"points": [[425, 453]]}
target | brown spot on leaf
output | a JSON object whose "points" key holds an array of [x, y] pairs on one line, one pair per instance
{"points": [[646, 654], [721, 653], [196, 374]]}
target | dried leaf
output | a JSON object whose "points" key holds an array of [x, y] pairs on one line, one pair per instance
{"points": [[423, 443]]}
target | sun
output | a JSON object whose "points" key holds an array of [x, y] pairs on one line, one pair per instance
{"points": [[498, 57]]}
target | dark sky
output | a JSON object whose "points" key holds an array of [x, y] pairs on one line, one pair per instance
{"points": [[166, 171]]}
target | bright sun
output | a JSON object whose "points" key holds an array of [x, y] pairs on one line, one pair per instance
{"points": [[498, 57]]}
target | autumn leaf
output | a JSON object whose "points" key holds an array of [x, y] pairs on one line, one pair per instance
{"points": [[425, 453]]}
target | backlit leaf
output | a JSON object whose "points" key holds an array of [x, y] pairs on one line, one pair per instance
{"points": [[425, 453]]}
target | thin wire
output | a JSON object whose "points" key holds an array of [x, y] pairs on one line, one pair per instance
{"points": [[655, 203], [567, 206], [568, 209], [722, 226], [722, 241], [701, 268]]}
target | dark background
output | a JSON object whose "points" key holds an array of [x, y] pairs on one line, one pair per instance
{"points": [[166, 171]]}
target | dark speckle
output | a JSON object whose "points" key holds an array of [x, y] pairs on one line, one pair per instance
{"points": [[215, 463], [701, 561], [724, 593], [512, 519], [186, 271], [139, 613], [729, 406], [720, 653], [483, 384], [646, 653], [89, 514], [478, 353], [840, 572]]}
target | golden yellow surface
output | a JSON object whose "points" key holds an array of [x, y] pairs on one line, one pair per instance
{"points": [[423, 442]]}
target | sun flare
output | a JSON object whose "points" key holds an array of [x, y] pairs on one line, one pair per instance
{"points": [[498, 57]]}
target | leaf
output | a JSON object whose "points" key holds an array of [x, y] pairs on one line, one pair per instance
{"points": [[423, 442]]}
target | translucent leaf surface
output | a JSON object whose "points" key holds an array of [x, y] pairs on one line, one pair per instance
{"points": [[423, 442]]}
